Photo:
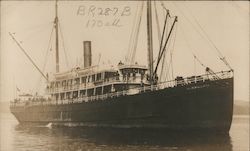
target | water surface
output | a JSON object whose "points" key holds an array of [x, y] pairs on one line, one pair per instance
{"points": [[14, 136]]}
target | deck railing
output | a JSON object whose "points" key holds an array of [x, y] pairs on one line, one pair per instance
{"points": [[90, 85], [131, 91]]}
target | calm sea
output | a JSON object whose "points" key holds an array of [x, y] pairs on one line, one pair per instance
{"points": [[15, 137]]}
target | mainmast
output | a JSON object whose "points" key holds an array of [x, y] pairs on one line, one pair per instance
{"points": [[57, 42], [150, 41]]}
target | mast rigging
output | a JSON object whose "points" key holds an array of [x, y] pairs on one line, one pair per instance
{"points": [[57, 41], [163, 33], [19, 45], [204, 35], [150, 41], [164, 47]]}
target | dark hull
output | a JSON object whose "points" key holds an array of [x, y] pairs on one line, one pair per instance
{"points": [[200, 106]]}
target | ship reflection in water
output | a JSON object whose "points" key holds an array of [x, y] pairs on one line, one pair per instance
{"points": [[14, 136], [98, 139]]}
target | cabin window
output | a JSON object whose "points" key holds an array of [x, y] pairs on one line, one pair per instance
{"points": [[98, 91], [64, 83], [128, 76], [90, 92], [141, 71], [134, 75], [62, 96], [52, 85], [142, 76], [93, 78], [84, 79], [119, 87], [88, 79], [107, 89], [105, 76], [70, 82], [124, 77], [98, 77], [117, 75], [68, 95], [82, 93], [135, 71], [77, 81], [75, 94], [57, 84], [57, 96], [102, 75]]}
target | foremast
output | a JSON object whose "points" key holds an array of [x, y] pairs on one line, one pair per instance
{"points": [[150, 42], [56, 38]]}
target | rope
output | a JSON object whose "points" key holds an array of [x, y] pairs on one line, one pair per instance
{"points": [[204, 32], [173, 38], [26, 54], [157, 22], [172, 64], [37, 88], [165, 44], [171, 53], [164, 55], [33, 30], [127, 59], [162, 36], [136, 35], [206, 35], [63, 44], [163, 6], [190, 48], [165, 63]]}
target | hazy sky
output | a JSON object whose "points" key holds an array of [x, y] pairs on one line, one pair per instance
{"points": [[225, 22]]}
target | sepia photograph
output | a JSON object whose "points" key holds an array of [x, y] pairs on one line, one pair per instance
{"points": [[141, 75]]}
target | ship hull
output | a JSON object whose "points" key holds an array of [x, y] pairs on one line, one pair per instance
{"points": [[199, 106]]}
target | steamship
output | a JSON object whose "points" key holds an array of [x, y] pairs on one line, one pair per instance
{"points": [[130, 95]]}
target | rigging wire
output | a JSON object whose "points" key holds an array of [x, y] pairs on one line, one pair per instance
{"points": [[190, 48], [240, 10], [136, 35], [165, 63], [164, 55], [167, 76], [63, 45], [34, 30], [163, 34], [165, 44], [27, 55], [173, 38], [128, 56], [161, 51], [196, 21], [202, 35], [172, 64], [37, 88], [158, 27], [163, 6], [171, 53], [157, 23]]}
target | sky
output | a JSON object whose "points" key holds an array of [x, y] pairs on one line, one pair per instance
{"points": [[226, 24]]}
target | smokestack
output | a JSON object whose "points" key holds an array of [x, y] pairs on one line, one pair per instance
{"points": [[87, 53]]}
